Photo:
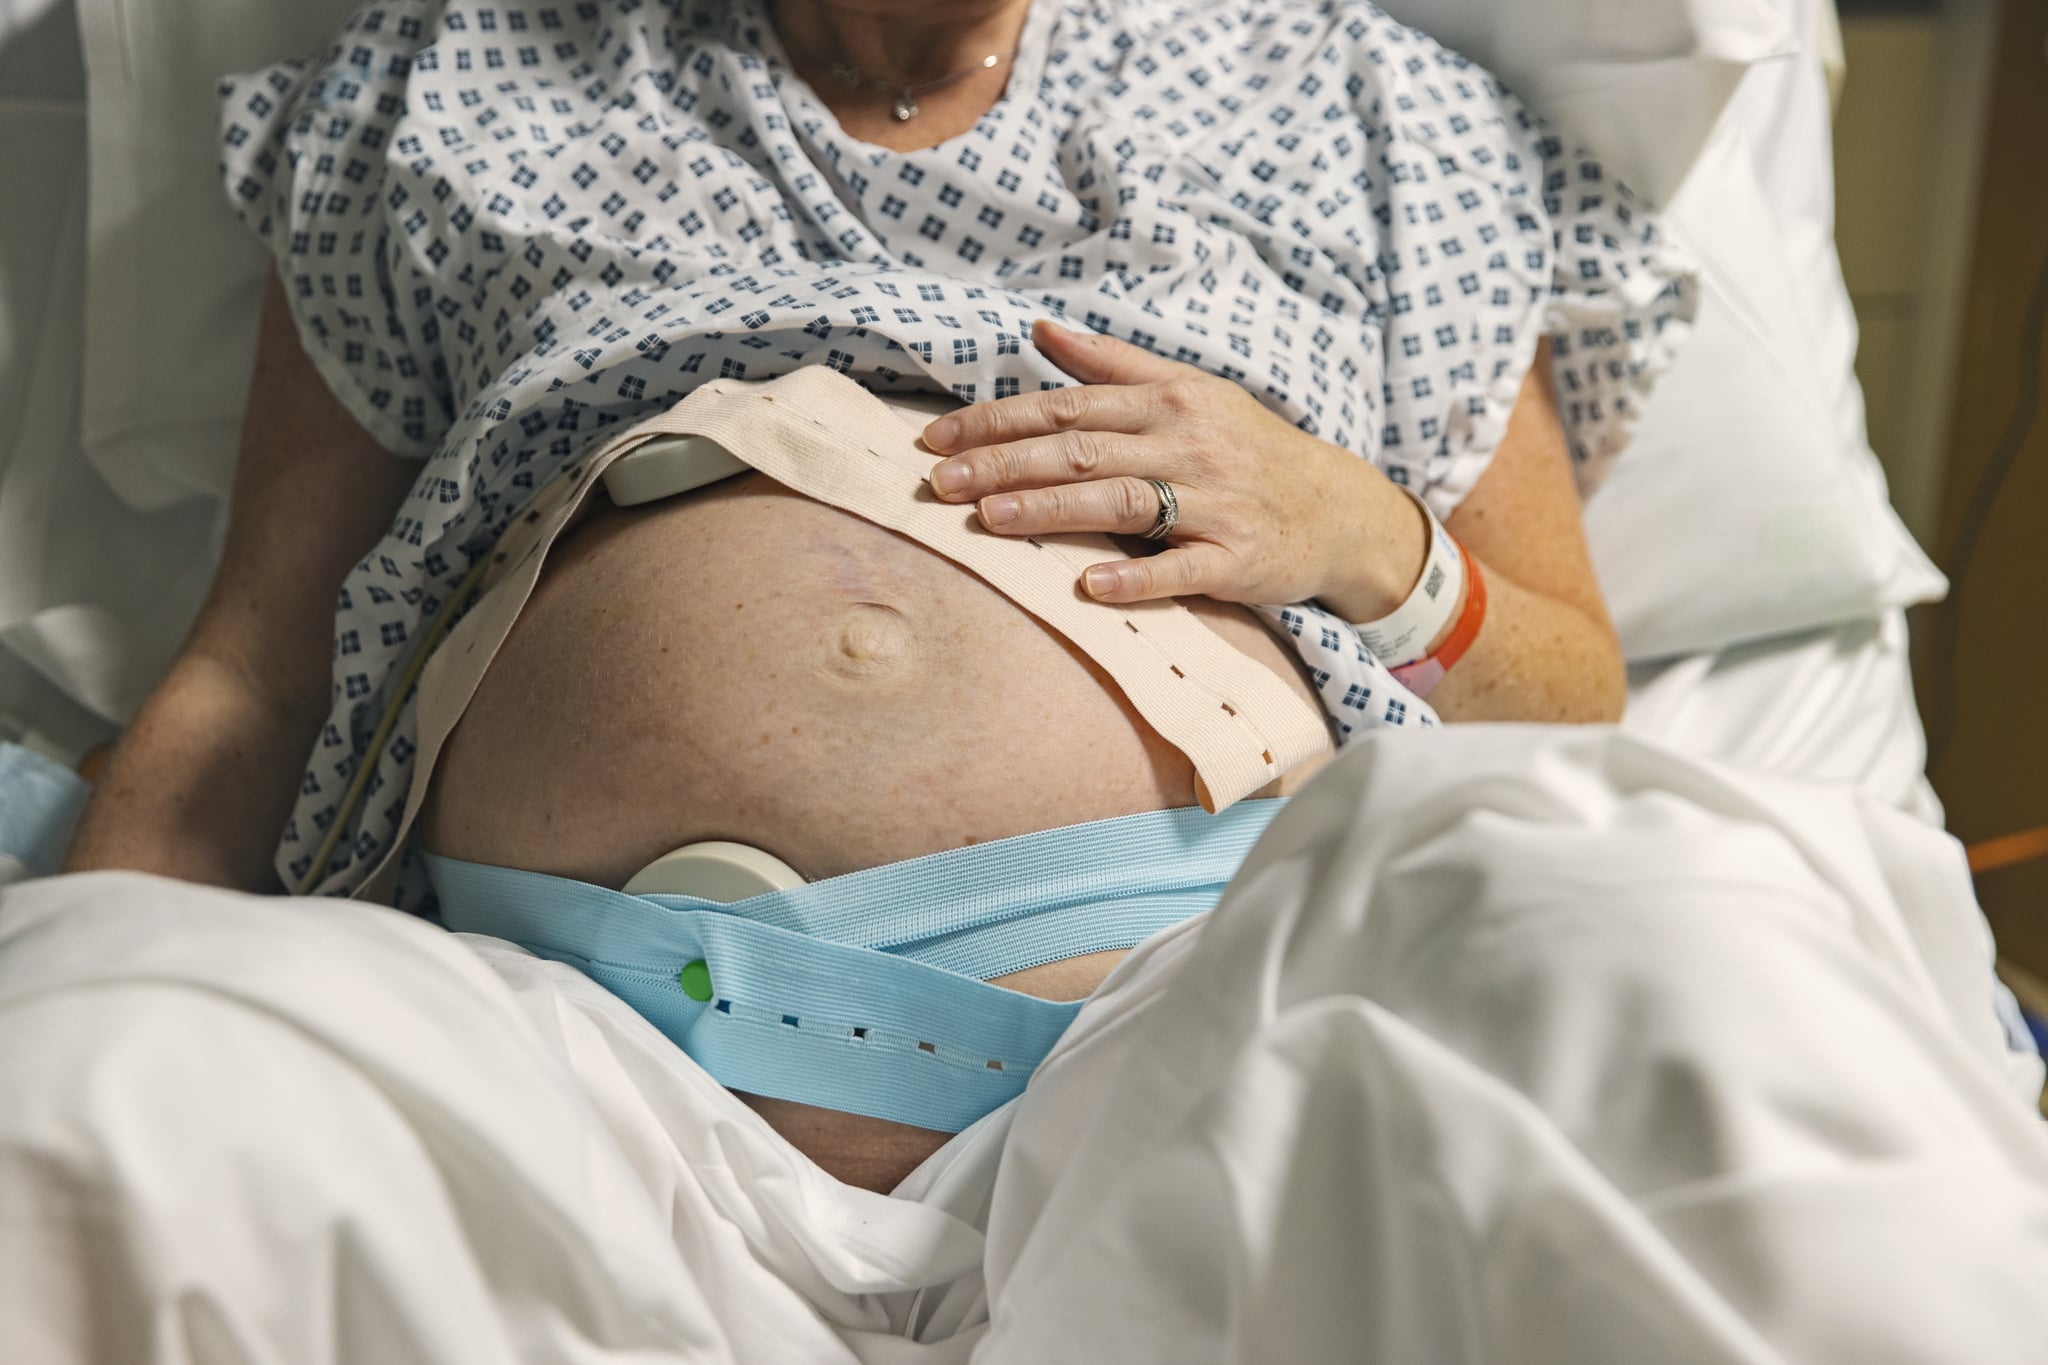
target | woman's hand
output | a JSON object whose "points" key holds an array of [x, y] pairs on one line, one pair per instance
{"points": [[1268, 513]]}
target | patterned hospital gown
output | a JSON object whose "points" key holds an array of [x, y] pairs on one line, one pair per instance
{"points": [[507, 229]]}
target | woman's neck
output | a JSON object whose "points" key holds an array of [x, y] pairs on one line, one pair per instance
{"points": [[894, 44], [900, 42]]}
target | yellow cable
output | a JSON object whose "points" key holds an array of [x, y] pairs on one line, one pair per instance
{"points": [[354, 795]]}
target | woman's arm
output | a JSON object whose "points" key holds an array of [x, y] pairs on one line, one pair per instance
{"points": [[204, 778], [1272, 514], [1547, 650]]}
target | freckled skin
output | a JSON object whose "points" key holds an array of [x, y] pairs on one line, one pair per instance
{"points": [[861, 701]]}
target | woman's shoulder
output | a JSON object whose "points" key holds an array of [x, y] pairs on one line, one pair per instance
{"points": [[1241, 55], [1348, 22]]}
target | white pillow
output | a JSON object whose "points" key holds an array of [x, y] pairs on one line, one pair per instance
{"points": [[1641, 81], [1748, 503], [172, 280]]}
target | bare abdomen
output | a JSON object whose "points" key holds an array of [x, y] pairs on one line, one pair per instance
{"points": [[747, 664]]}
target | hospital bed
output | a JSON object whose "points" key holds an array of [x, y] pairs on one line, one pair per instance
{"points": [[1757, 575]]}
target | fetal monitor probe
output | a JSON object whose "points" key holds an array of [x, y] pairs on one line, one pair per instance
{"points": [[718, 871], [668, 465]]}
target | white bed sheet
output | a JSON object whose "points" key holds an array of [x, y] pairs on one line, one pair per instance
{"points": [[1509, 1043], [1830, 705]]}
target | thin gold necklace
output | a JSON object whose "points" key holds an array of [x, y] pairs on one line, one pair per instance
{"points": [[906, 107]]}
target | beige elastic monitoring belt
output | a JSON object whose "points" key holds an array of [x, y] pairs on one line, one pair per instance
{"points": [[821, 434]]}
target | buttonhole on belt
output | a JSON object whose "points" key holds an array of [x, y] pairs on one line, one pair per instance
{"points": [[723, 1007], [994, 1065], [860, 1031], [1133, 626], [1176, 671], [932, 1048], [789, 1019], [1228, 709], [533, 516], [500, 557], [1267, 755]]}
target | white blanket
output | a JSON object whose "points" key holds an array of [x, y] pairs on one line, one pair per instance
{"points": [[1507, 1044]]}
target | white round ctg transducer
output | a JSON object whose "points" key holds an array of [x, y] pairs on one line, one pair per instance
{"points": [[716, 870]]}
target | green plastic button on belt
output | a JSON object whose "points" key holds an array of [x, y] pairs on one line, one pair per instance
{"points": [[695, 979]]}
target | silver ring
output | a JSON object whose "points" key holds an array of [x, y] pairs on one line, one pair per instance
{"points": [[1169, 510]]}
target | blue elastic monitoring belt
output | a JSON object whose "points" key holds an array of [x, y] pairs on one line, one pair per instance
{"points": [[865, 993]]}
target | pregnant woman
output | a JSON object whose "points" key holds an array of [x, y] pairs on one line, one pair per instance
{"points": [[1331, 301]]}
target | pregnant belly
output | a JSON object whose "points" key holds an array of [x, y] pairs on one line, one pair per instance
{"points": [[747, 664]]}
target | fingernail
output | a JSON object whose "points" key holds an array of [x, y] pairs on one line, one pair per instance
{"points": [[1101, 581], [1000, 509], [939, 435], [950, 476]]}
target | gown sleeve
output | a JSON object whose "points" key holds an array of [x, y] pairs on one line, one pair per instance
{"points": [[1493, 235], [305, 145]]}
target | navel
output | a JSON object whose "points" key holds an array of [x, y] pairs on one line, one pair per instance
{"points": [[868, 642]]}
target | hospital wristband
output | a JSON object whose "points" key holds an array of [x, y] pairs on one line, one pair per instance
{"points": [[1403, 635], [1424, 674]]}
